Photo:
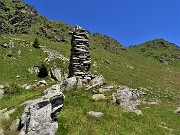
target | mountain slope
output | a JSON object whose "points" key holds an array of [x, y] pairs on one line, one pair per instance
{"points": [[119, 66]]}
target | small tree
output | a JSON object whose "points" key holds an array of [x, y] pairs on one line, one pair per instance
{"points": [[36, 43]]}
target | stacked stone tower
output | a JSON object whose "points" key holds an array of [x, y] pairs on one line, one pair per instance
{"points": [[80, 60]]}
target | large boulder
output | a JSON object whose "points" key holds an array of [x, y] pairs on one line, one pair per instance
{"points": [[128, 99], [40, 115]]}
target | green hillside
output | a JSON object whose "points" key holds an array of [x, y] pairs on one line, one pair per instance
{"points": [[137, 67]]}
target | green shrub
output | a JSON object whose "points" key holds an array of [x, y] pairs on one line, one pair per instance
{"points": [[36, 43]]}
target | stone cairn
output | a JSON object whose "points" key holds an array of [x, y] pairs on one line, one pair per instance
{"points": [[80, 60]]}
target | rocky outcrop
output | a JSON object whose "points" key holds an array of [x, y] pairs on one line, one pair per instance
{"points": [[128, 99], [40, 115], [80, 60]]}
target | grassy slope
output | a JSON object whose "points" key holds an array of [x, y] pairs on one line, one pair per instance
{"points": [[126, 68]]}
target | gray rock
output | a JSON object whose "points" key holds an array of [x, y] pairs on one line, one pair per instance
{"points": [[95, 114], [98, 97], [42, 83], [53, 89], [56, 74], [105, 89], [127, 98], [26, 86], [96, 82], [40, 116], [177, 111], [5, 45], [71, 82]]}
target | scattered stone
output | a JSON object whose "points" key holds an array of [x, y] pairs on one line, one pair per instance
{"points": [[52, 54], [177, 111], [17, 76], [19, 52], [165, 127], [105, 89], [106, 62], [96, 82], [53, 89], [95, 114], [42, 83], [2, 86], [40, 116], [8, 45], [5, 45], [163, 61], [1, 93], [56, 74], [95, 65], [98, 97], [35, 69], [26, 86], [70, 83], [150, 103], [94, 91]]}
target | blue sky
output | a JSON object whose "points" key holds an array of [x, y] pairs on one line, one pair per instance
{"points": [[131, 22]]}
